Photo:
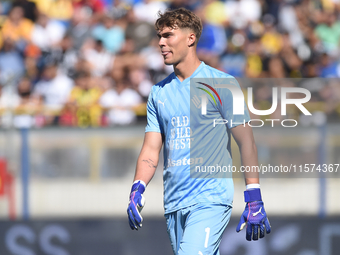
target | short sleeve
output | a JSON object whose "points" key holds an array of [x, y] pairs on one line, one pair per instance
{"points": [[227, 108], [153, 124]]}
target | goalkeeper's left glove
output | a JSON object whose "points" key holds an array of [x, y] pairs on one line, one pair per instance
{"points": [[254, 216], [136, 205]]}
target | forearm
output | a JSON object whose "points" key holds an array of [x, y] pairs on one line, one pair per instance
{"points": [[146, 166], [145, 169], [148, 158], [249, 159]]}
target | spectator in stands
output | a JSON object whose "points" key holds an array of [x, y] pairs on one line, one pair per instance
{"points": [[254, 64], [20, 102], [329, 33], [239, 14], [66, 55], [118, 73], [1, 39], [234, 61], [310, 70], [292, 63], [79, 29], [100, 59], [276, 68], [11, 63], [47, 32], [82, 66], [213, 39], [28, 103], [215, 12], [271, 39], [28, 112], [85, 96], [154, 62], [126, 60], [30, 9], [245, 38], [110, 34], [8, 102], [120, 103], [96, 6], [31, 69], [61, 10], [187, 4], [84, 93], [8, 99], [54, 89], [146, 10], [68, 115], [140, 81], [17, 28], [5, 6], [140, 32], [328, 67]]}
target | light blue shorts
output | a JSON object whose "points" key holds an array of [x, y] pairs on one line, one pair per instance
{"points": [[197, 229]]}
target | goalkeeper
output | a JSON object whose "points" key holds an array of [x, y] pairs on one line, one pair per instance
{"points": [[197, 210]]}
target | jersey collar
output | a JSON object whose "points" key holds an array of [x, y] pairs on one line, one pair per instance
{"points": [[198, 69]]}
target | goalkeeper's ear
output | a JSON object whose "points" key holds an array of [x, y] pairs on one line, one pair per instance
{"points": [[192, 39]]}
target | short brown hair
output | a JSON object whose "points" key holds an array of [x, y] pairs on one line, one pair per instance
{"points": [[181, 18]]}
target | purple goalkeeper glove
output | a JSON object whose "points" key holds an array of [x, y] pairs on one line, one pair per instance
{"points": [[136, 205], [254, 216]]}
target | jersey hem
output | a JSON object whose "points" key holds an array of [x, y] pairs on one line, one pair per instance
{"points": [[199, 202], [150, 130], [238, 124]]}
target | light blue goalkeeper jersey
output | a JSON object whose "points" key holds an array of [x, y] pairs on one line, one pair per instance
{"points": [[192, 143]]}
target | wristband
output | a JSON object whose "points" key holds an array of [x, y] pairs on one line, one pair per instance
{"points": [[253, 186], [138, 185], [141, 182], [252, 195]]}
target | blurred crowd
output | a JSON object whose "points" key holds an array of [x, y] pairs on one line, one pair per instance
{"points": [[93, 62]]}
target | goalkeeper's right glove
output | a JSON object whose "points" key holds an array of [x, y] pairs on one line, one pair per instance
{"points": [[136, 205], [254, 216]]}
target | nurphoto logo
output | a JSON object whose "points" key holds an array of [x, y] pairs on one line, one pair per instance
{"points": [[239, 106]]}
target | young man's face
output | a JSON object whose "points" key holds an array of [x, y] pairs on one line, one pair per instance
{"points": [[174, 44]]}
